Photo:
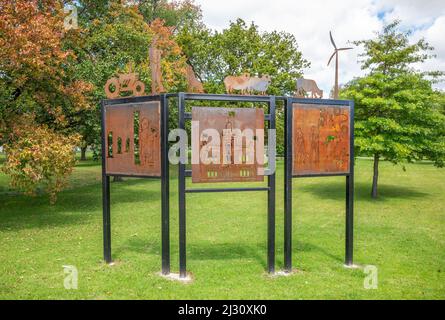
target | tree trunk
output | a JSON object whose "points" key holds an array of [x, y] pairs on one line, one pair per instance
{"points": [[117, 179], [83, 153], [375, 176]]}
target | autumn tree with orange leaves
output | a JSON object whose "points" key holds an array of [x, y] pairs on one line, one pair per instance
{"points": [[39, 95]]}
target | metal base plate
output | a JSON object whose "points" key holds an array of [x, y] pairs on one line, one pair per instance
{"points": [[176, 277]]}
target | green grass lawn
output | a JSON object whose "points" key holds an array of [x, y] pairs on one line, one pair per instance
{"points": [[402, 234]]}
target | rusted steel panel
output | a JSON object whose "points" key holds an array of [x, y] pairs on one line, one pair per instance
{"points": [[321, 139], [127, 153], [230, 169]]}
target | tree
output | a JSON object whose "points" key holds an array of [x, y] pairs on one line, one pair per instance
{"points": [[40, 159], [114, 37], [398, 114], [243, 48], [39, 95], [176, 14]]}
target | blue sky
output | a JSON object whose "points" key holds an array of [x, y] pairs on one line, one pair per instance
{"points": [[349, 20]]}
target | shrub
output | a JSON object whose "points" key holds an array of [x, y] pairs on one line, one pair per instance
{"points": [[40, 159]]}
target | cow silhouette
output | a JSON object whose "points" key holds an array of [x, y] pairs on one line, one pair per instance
{"points": [[237, 83], [247, 84], [259, 84], [307, 85]]}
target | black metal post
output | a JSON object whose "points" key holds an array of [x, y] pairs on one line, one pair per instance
{"points": [[288, 186], [165, 187], [349, 238], [181, 193], [271, 198], [105, 195]]}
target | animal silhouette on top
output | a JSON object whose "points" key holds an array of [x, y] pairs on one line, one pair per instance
{"points": [[307, 85], [247, 84], [193, 83]]}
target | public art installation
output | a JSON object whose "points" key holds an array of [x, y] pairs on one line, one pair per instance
{"points": [[230, 164], [319, 142], [128, 82], [305, 86], [247, 84], [336, 63]]}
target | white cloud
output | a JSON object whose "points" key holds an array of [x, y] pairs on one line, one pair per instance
{"points": [[310, 22], [412, 12]]}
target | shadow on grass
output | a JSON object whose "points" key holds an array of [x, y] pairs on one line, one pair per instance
{"points": [[335, 190], [202, 251], [307, 247], [223, 251], [88, 163], [33, 219], [228, 251], [74, 206]]}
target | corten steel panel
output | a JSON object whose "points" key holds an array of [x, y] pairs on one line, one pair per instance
{"points": [[226, 118], [320, 138], [120, 123]]}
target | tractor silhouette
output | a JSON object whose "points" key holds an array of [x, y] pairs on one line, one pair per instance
{"points": [[128, 82]]}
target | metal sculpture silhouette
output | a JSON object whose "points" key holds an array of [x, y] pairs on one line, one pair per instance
{"points": [[193, 83], [155, 65], [305, 86], [336, 63], [128, 82], [247, 84]]}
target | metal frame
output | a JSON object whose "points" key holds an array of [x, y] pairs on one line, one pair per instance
{"points": [[165, 203], [183, 174], [289, 101]]}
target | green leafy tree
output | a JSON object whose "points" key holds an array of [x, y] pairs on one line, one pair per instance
{"points": [[176, 14], [243, 48], [398, 113]]}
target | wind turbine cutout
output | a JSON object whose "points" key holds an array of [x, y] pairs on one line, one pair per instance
{"points": [[336, 63]]}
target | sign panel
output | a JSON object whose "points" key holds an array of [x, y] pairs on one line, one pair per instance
{"points": [[228, 144], [133, 139], [321, 139]]}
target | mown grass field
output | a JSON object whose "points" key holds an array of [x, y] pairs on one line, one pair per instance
{"points": [[402, 234]]}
